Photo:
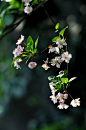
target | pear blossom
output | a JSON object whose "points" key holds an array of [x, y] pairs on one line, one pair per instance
{"points": [[65, 96], [28, 9], [56, 61], [53, 98], [45, 66], [16, 63], [51, 49], [53, 90], [57, 49], [62, 105], [20, 40], [75, 102], [65, 56], [18, 51], [61, 43], [32, 65]]}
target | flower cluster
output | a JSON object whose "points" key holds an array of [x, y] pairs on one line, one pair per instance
{"points": [[28, 9], [61, 99], [17, 52], [58, 59]]}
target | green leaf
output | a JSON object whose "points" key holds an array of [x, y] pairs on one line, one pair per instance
{"points": [[34, 50], [58, 87], [57, 26], [36, 42], [53, 84], [35, 2], [55, 38], [62, 31], [23, 55], [64, 80], [14, 3], [72, 79], [28, 48], [30, 42]]}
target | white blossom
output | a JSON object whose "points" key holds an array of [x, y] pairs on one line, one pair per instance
{"points": [[51, 49], [65, 56], [53, 90], [75, 102], [28, 9], [53, 98], [18, 51], [62, 105], [56, 62], [20, 40], [60, 43], [45, 66], [16, 63], [32, 65]]}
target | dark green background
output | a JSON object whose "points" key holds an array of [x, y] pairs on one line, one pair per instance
{"points": [[24, 94]]}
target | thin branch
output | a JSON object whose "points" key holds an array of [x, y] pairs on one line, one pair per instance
{"points": [[16, 24]]}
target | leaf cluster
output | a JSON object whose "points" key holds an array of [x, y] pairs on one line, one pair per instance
{"points": [[60, 82]]}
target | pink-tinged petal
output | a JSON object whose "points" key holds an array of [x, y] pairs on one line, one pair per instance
{"points": [[57, 41], [32, 65], [58, 65]]}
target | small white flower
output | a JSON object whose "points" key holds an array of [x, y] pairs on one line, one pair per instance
{"points": [[75, 102], [65, 96], [32, 65], [16, 63], [53, 98], [56, 62], [60, 43], [28, 9], [45, 66], [53, 90], [62, 105], [20, 40], [51, 49], [18, 51], [57, 49], [65, 56]]}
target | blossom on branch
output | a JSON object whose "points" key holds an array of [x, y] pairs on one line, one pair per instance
{"points": [[16, 63], [45, 66], [20, 40], [18, 51], [28, 9], [65, 56], [56, 61], [32, 65], [51, 49], [53, 90], [75, 102], [61, 43], [62, 105], [53, 98]]}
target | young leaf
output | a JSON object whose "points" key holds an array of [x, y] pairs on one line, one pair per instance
{"points": [[34, 50], [30, 42], [51, 78], [62, 31], [34, 2], [57, 26], [64, 80], [36, 42], [72, 79], [55, 38]]}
